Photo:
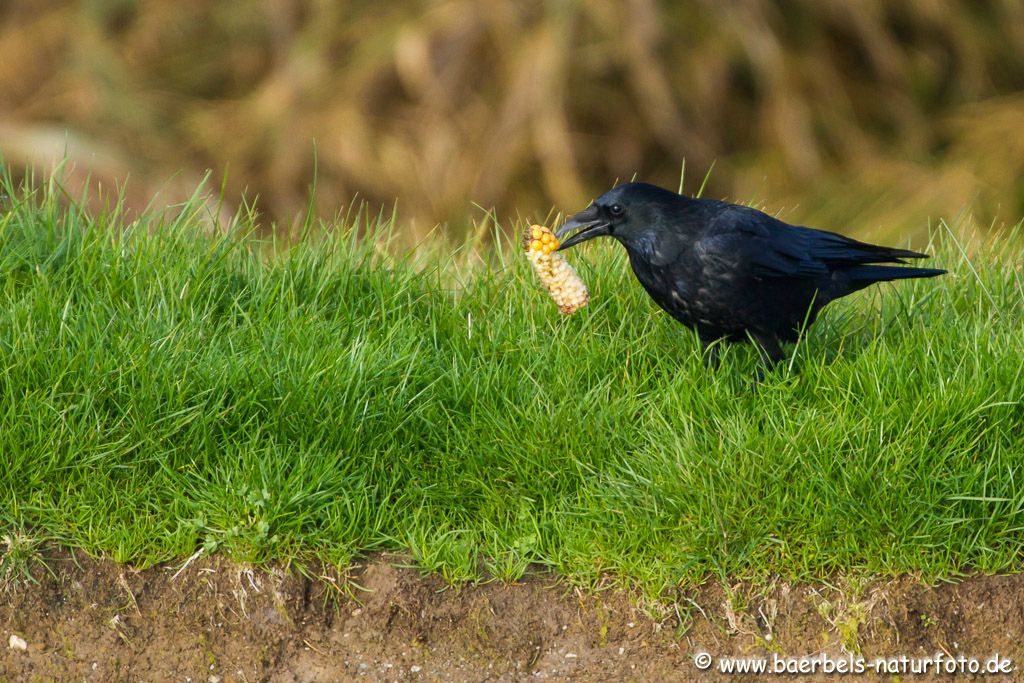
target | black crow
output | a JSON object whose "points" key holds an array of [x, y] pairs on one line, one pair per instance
{"points": [[732, 272]]}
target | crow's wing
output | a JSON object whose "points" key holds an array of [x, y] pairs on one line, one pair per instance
{"points": [[741, 237]]}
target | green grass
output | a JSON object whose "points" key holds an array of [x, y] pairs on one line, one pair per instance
{"points": [[165, 392]]}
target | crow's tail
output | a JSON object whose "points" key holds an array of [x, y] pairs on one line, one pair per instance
{"points": [[862, 276]]}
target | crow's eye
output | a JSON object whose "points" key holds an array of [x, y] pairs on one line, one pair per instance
{"points": [[616, 210]]}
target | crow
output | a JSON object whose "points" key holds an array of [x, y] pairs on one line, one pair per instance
{"points": [[731, 272]]}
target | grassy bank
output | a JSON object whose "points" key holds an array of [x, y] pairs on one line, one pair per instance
{"points": [[165, 392]]}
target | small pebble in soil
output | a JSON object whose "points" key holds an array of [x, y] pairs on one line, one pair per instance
{"points": [[16, 642]]}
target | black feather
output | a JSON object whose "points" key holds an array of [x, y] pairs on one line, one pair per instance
{"points": [[732, 272]]}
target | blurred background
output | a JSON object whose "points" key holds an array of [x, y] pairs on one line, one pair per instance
{"points": [[869, 117]]}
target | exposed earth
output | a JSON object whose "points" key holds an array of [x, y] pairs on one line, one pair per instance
{"points": [[93, 620]]}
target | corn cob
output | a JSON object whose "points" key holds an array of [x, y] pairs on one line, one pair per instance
{"points": [[563, 284]]}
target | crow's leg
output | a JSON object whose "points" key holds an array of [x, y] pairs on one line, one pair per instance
{"points": [[770, 351]]}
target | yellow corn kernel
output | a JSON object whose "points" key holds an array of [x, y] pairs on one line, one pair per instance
{"points": [[558, 277]]}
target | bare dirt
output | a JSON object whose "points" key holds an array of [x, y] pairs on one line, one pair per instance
{"points": [[93, 620]]}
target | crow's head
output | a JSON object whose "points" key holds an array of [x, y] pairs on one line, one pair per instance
{"points": [[629, 213]]}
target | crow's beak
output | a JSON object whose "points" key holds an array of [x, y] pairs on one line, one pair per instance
{"points": [[588, 222]]}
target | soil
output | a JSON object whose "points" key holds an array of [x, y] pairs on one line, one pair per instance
{"points": [[92, 620]]}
